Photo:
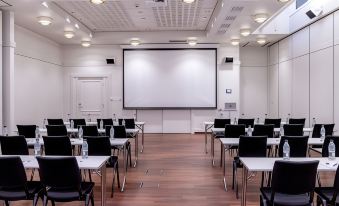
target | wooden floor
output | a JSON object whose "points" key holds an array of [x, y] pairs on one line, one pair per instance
{"points": [[175, 170]]}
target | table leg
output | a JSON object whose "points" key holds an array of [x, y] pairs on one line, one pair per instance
{"points": [[244, 186], [136, 149], [103, 185], [224, 151], [142, 138], [212, 148], [124, 154], [205, 138]]}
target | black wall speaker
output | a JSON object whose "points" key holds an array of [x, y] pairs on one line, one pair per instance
{"points": [[310, 14], [228, 59], [110, 61]]}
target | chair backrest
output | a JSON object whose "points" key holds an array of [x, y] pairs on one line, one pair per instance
{"points": [[108, 130], [275, 122], [221, 123], [57, 146], [119, 132], [106, 122], [246, 122], [328, 130], [12, 173], [234, 131], [28, 131], [324, 151], [78, 122], [298, 145], [252, 146], [263, 130], [297, 121], [90, 131], [129, 123], [294, 177], [99, 146], [293, 129], [59, 172], [55, 121], [56, 130], [13, 145]]}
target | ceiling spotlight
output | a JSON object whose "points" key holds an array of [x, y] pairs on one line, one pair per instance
{"points": [[260, 18], [134, 42], [188, 1], [45, 20], [68, 20], [245, 32], [69, 34], [261, 40], [192, 42], [86, 43], [45, 4], [77, 26], [235, 42], [97, 1]]}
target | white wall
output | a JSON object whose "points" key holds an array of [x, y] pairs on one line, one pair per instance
{"points": [[38, 78]]}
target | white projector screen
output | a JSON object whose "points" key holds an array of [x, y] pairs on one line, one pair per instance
{"points": [[170, 78]]}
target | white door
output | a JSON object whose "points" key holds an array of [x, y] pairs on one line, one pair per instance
{"points": [[89, 99]]}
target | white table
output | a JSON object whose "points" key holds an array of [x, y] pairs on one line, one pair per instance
{"points": [[262, 164], [207, 125]]}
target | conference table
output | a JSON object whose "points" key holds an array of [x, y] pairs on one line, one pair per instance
{"points": [[264, 164], [91, 163]]}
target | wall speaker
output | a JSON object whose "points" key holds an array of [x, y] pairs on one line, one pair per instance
{"points": [[228, 59], [314, 12], [110, 61]]}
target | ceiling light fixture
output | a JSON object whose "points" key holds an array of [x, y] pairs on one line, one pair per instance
{"points": [[188, 1], [86, 43], [97, 1], [45, 20], [134, 42], [192, 42], [245, 32], [68, 20], [77, 26], [260, 18], [45, 4], [261, 40], [235, 42], [69, 34]]}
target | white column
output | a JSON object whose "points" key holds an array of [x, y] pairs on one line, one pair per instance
{"points": [[8, 46]]}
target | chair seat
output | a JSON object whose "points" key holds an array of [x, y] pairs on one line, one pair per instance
{"points": [[70, 195], [326, 193], [285, 199], [33, 187]]}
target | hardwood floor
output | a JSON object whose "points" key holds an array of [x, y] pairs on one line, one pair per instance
{"points": [[175, 170]]}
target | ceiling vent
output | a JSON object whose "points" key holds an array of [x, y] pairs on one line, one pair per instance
{"points": [[156, 3]]}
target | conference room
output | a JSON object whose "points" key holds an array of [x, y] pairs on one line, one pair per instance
{"points": [[169, 102]]}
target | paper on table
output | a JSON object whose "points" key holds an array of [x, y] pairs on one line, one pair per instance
{"points": [[330, 164]]}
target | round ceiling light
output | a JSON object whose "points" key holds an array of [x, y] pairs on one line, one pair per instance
{"points": [[188, 1], [261, 40], [86, 43], [260, 18], [69, 34], [245, 32], [134, 42], [45, 20], [192, 42], [235, 42], [97, 1]]}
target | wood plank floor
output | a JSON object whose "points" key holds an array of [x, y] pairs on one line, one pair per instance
{"points": [[175, 170]]}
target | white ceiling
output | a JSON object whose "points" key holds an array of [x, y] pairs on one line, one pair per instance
{"points": [[117, 21]]}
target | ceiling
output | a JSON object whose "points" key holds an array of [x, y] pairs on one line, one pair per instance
{"points": [[118, 21]]}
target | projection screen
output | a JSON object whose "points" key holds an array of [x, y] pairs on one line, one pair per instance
{"points": [[170, 78]]}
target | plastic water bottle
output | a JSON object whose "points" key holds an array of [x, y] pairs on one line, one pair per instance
{"points": [[322, 132], [331, 150], [235, 120], [288, 118], [114, 118], [101, 124], [37, 132], [286, 150], [44, 123], [84, 149], [281, 130], [313, 122], [249, 131], [80, 133], [37, 147], [72, 124], [111, 132], [258, 121], [123, 122], [4, 131]]}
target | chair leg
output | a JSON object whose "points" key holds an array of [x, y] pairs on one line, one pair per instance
{"points": [[87, 200], [45, 201], [6, 202], [236, 183], [53, 203], [130, 155], [89, 175], [114, 172], [92, 199], [262, 178], [117, 168], [233, 171], [35, 199]]}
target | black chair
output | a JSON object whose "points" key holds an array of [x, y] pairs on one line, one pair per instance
{"points": [[90, 131], [248, 147], [317, 128], [298, 145], [129, 123], [106, 122], [56, 130], [101, 146], [14, 145], [328, 195], [13, 182], [28, 131], [120, 132], [78, 122], [275, 122], [57, 146], [297, 121], [246, 122], [234, 131], [324, 151], [221, 123], [293, 183], [61, 180], [55, 121], [263, 130], [293, 129]]}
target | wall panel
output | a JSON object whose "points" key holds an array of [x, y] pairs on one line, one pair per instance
{"points": [[336, 87], [301, 42], [273, 91], [285, 89], [321, 34], [285, 49]]}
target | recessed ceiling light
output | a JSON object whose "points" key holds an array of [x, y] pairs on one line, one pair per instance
{"points": [[45, 4], [69, 34], [135, 42], [68, 20], [261, 40], [86, 43], [245, 32], [260, 18], [90, 35], [97, 1], [235, 42], [188, 1], [192, 42], [45, 20], [77, 26]]}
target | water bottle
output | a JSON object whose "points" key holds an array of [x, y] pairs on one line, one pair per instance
{"points": [[37, 132], [72, 124], [123, 122], [313, 122], [331, 150], [80, 133], [114, 118], [235, 120], [265, 116], [286, 150], [84, 149], [37, 147], [249, 131], [101, 124], [288, 118], [281, 130], [322, 132], [111, 132], [44, 123], [4, 131], [258, 121]]}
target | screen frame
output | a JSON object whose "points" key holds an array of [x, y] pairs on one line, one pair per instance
{"points": [[169, 108]]}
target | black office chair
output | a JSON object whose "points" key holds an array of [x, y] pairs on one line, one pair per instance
{"points": [[56, 130], [328, 195], [101, 146], [221, 123], [120, 132], [324, 151], [233, 131], [298, 145], [57, 146], [55, 121], [246, 122], [106, 122], [129, 123], [248, 147], [78, 122], [293, 129], [61, 180], [297, 121], [13, 182], [89, 131], [293, 183], [28, 131], [275, 122], [13, 145], [317, 128], [263, 130]]}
